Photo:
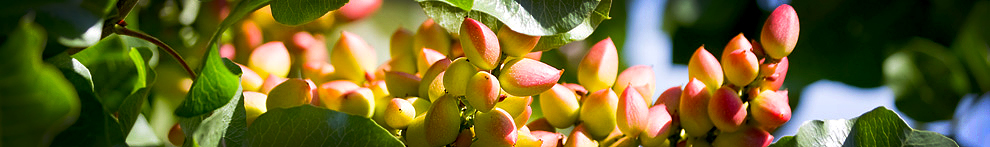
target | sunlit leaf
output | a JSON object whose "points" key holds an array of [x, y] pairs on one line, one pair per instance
{"points": [[297, 12], [311, 126], [879, 127]]}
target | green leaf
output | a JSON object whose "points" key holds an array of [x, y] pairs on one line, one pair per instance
{"points": [[118, 71], [578, 33], [297, 12], [532, 17], [130, 108], [925, 75], [450, 13], [879, 127], [38, 102], [311, 126], [463, 4], [216, 84], [217, 128], [96, 126]]}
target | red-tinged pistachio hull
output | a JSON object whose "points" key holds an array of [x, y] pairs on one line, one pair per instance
{"points": [[704, 67], [431, 35], [599, 67], [693, 109], [739, 62], [250, 80], [516, 44], [399, 113], [318, 71], [270, 58], [429, 75], [580, 137], [358, 9], [631, 114], [495, 126], [443, 121], [770, 109], [480, 44], [527, 77], [560, 106], [534, 55], [774, 74], [726, 110], [658, 127], [331, 92], [745, 137], [598, 113], [780, 32], [640, 77], [353, 58], [426, 58], [291, 93], [401, 84], [312, 48], [401, 43], [541, 124], [457, 74], [254, 105], [671, 98], [484, 93], [360, 102]]}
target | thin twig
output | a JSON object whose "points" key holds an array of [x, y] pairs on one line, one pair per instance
{"points": [[124, 31]]}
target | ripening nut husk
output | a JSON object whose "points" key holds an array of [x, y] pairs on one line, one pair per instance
{"points": [[401, 84], [254, 105], [484, 89], [580, 137], [770, 109], [774, 74], [426, 58], [399, 113], [496, 126], [431, 35], [331, 92], [672, 99], [480, 44], [640, 77], [694, 109], [631, 114], [360, 102], [528, 77], [726, 110], [658, 127], [746, 137], [704, 67], [415, 135], [514, 43], [780, 32], [436, 88], [401, 43], [739, 62], [270, 58], [560, 106], [443, 121], [353, 58], [250, 80], [291, 93], [598, 113], [457, 74], [429, 75], [599, 67]]}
